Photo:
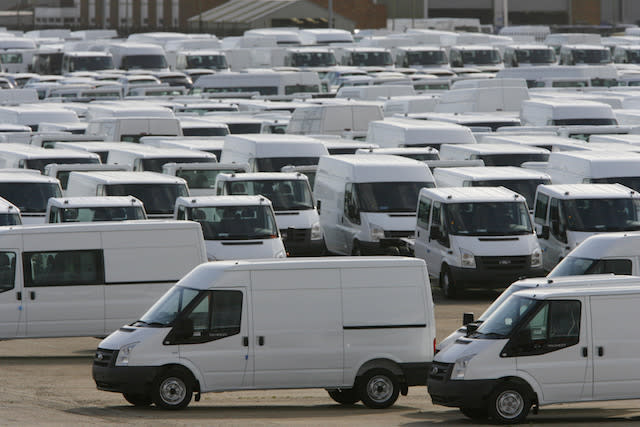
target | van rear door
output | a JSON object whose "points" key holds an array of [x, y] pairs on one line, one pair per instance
{"points": [[11, 295]]}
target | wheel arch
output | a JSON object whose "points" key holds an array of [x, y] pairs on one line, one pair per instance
{"points": [[531, 392], [195, 381]]}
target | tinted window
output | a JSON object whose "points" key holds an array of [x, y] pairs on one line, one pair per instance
{"points": [[29, 197], [541, 208], [389, 196], [235, 222], [7, 271], [424, 208], [63, 268], [571, 266], [525, 187], [488, 218], [40, 164], [217, 315], [157, 198]]}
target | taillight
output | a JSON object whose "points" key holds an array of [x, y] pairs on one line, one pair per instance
{"points": [[434, 346]]}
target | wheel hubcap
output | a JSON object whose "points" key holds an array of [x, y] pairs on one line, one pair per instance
{"points": [[173, 391], [509, 404], [379, 388]]}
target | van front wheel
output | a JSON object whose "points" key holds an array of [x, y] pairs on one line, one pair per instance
{"points": [[378, 389], [449, 287], [345, 396], [509, 404], [172, 389]]}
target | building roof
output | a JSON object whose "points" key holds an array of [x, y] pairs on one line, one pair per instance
{"points": [[242, 11]]}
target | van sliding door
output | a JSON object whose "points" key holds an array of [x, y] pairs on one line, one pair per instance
{"points": [[11, 295]]}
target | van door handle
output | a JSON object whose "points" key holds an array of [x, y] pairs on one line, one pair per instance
{"points": [[418, 233], [600, 351], [32, 295], [261, 340], [19, 296], [584, 352], [245, 341]]}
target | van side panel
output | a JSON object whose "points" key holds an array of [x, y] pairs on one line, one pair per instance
{"points": [[298, 314], [385, 308]]}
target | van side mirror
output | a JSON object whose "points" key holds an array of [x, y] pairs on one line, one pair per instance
{"points": [[471, 328], [544, 233], [183, 328], [467, 318]]}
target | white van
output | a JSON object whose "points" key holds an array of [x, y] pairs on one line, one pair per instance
{"points": [[256, 339], [585, 54], [211, 145], [485, 58], [616, 252], [566, 214], [94, 208], [62, 171], [476, 236], [415, 153], [367, 203], [131, 129], [113, 270], [234, 227], [77, 61], [138, 56], [9, 213], [201, 177], [29, 192], [494, 154], [151, 159], [293, 203], [270, 152], [157, 191], [543, 346], [398, 132], [522, 181], [266, 83], [566, 112], [37, 158], [334, 119]]}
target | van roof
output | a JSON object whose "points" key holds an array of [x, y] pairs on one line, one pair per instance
{"points": [[67, 227], [16, 176], [259, 176], [152, 152], [604, 245], [600, 163], [94, 201], [488, 148], [583, 279], [582, 191], [33, 152], [375, 168], [472, 194], [125, 177], [206, 201], [552, 292], [206, 274], [277, 145], [492, 172]]}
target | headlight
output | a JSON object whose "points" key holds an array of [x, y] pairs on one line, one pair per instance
{"points": [[467, 260], [377, 232], [460, 367], [316, 231], [124, 353], [536, 258]]}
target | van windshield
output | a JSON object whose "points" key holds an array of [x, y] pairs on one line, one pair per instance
{"points": [[213, 62], [89, 63], [510, 159], [591, 56], [157, 198], [155, 165], [488, 219], [285, 195], [369, 59], [235, 222], [525, 187], [575, 266], [536, 56], [632, 182], [97, 213], [481, 57], [601, 214], [275, 164], [313, 59], [143, 62], [40, 164], [29, 197], [203, 178], [204, 131], [427, 57], [167, 308], [389, 196], [583, 122], [505, 318]]}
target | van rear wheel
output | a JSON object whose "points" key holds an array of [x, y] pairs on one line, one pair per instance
{"points": [[345, 396], [137, 399], [378, 388], [172, 389], [448, 285]]}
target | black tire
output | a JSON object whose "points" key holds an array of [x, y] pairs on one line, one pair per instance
{"points": [[448, 285], [137, 399], [476, 414], [378, 388], [172, 389], [356, 250], [345, 396], [509, 404]]}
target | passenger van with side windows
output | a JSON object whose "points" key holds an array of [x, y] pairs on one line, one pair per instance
{"points": [[472, 236], [543, 346], [113, 270], [236, 325], [566, 214]]}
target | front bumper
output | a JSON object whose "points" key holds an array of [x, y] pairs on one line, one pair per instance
{"points": [[493, 277], [297, 242], [457, 393], [121, 379]]}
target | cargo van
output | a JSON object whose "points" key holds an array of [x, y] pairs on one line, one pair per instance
{"points": [[113, 270], [566, 112], [94, 208], [616, 253], [62, 171], [265, 83], [270, 152], [566, 214], [255, 340], [29, 192], [211, 145], [367, 204], [151, 159], [481, 57], [138, 56], [519, 180], [542, 346], [293, 203], [334, 119], [476, 237], [37, 158], [585, 54], [234, 227], [201, 177], [397, 132], [131, 129], [157, 191], [86, 61], [494, 154]]}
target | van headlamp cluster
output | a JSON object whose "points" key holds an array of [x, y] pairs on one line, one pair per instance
{"points": [[467, 259], [125, 353], [377, 232], [460, 367]]}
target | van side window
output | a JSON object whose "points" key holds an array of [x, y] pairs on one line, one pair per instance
{"points": [[351, 208], [424, 209], [181, 213], [54, 214], [558, 228], [7, 271], [63, 268], [540, 215], [217, 315], [438, 231], [555, 326]]}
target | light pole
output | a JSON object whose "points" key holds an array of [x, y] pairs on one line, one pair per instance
{"points": [[330, 14]]}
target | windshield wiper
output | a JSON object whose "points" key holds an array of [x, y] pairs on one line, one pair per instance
{"points": [[495, 335]]}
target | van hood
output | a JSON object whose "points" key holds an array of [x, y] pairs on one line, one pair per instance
{"points": [[244, 249], [514, 245], [462, 347], [392, 221], [129, 334], [297, 219], [576, 237]]}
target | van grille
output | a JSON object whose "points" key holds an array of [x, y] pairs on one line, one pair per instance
{"points": [[295, 234], [104, 357], [503, 262], [398, 234]]}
